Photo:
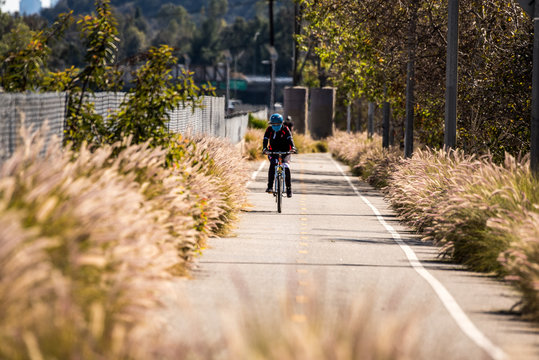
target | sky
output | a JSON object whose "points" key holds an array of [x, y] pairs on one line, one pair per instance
{"points": [[13, 5]]}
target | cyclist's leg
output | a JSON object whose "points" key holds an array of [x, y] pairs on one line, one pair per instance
{"points": [[271, 173], [288, 177]]}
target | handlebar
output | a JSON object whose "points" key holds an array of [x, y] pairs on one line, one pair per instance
{"points": [[279, 152]]}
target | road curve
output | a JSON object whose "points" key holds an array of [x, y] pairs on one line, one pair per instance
{"points": [[338, 235]]}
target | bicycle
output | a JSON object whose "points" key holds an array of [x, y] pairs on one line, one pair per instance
{"points": [[279, 180]]}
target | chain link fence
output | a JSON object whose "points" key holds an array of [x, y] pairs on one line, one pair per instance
{"points": [[31, 111], [35, 110]]}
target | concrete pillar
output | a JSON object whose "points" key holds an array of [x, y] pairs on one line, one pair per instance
{"points": [[296, 106], [322, 112]]}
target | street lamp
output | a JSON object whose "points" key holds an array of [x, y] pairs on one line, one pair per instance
{"points": [[255, 49], [236, 57], [228, 59]]}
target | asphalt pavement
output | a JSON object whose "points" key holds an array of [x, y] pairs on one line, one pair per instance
{"points": [[337, 242]]}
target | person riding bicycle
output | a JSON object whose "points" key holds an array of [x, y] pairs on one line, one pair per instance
{"points": [[278, 138]]}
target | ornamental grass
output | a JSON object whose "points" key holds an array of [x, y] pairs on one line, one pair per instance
{"points": [[483, 214], [253, 144], [307, 145], [317, 332], [90, 240], [365, 156], [304, 144]]}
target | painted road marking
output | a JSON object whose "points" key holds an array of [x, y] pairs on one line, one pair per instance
{"points": [[462, 320], [255, 173]]}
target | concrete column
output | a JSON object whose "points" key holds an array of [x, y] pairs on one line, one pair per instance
{"points": [[296, 106], [322, 112]]}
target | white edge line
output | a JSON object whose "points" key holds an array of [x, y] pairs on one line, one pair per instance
{"points": [[460, 317], [255, 173]]}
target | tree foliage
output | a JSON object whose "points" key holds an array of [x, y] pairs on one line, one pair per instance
{"points": [[24, 54], [199, 29], [144, 113], [361, 48]]}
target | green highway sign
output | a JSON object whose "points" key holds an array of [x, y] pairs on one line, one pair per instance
{"points": [[235, 84]]}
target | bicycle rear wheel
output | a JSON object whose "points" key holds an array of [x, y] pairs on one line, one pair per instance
{"points": [[279, 193]]}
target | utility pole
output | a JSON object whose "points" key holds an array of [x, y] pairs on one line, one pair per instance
{"points": [[410, 83], [532, 9], [386, 110], [450, 134], [358, 116], [228, 59], [348, 118], [271, 29], [297, 31], [370, 120], [273, 58], [534, 141]]}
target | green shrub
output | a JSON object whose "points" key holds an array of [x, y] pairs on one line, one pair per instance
{"points": [[321, 146], [256, 123]]}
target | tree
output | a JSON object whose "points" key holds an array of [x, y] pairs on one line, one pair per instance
{"points": [[177, 28], [25, 53], [144, 112], [206, 48], [134, 41], [360, 47]]}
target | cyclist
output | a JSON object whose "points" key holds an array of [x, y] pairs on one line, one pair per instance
{"points": [[289, 124], [278, 138]]}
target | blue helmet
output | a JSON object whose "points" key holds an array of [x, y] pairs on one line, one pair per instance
{"points": [[276, 122]]}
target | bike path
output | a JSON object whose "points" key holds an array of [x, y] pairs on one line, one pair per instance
{"points": [[328, 243]]}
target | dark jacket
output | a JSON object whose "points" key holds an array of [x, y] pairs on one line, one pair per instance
{"points": [[278, 141]]}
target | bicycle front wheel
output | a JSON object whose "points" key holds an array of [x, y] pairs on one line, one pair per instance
{"points": [[279, 193]]}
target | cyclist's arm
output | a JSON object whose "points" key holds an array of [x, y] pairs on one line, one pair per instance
{"points": [[290, 139], [266, 139]]}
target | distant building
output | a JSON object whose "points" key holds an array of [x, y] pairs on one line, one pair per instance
{"points": [[29, 7]]}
